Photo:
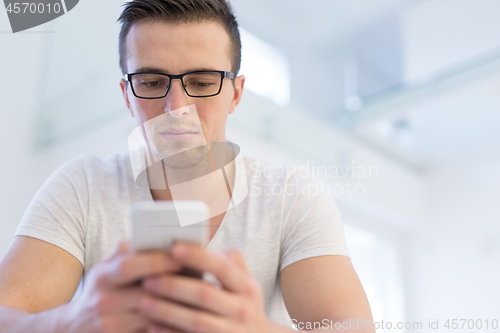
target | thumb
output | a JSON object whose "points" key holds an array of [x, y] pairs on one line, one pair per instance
{"points": [[237, 257], [122, 248]]}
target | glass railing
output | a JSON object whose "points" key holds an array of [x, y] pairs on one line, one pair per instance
{"points": [[449, 80], [79, 87]]}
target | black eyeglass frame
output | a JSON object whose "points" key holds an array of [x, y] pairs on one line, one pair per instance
{"points": [[224, 74]]}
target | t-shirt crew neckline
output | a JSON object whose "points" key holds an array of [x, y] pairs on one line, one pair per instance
{"points": [[237, 180]]}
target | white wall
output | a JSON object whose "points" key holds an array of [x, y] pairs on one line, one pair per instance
{"points": [[18, 111], [439, 34], [456, 261], [22, 168], [452, 264]]}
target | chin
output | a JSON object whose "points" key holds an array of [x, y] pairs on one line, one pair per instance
{"points": [[185, 159]]}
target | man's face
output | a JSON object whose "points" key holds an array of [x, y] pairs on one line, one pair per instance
{"points": [[176, 49]]}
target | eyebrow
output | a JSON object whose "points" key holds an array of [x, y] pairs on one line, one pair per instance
{"points": [[160, 70]]}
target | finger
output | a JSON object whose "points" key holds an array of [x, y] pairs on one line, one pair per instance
{"points": [[124, 322], [124, 246], [239, 259], [182, 318], [119, 300], [195, 257], [121, 248], [197, 293], [129, 268], [153, 328]]}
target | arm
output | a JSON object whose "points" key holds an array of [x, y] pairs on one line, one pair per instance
{"points": [[325, 287], [38, 279], [35, 276]]}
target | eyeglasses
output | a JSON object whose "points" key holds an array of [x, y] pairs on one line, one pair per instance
{"points": [[195, 84]]}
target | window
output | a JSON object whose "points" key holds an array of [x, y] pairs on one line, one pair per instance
{"points": [[266, 69], [376, 260]]}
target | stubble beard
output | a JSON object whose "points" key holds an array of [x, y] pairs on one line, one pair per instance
{"points": [[186, 159]]}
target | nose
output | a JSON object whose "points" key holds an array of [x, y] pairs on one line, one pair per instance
{"points": [[179, 112], [176, 100]]}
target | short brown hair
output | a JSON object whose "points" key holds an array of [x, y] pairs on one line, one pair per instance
{"points": [[180, 11]]}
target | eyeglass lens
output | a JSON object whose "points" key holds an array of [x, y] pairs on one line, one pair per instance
{"points": [[196, 84]]}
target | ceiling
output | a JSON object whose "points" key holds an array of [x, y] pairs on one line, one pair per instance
{"points": [[452, 125], [451, 121], [312, 21], [448, 109]]}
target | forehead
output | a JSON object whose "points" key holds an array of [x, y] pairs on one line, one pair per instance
{"points": [[177, 48]]}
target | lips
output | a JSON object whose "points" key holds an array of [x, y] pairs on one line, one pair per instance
{"points": [[179, 134]]}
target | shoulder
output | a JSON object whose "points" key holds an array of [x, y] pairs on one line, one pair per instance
{"points": [[267, 173], [110, 163], [114, 166], [297, 186], [86, 170], [290, 189], [70, 173]]}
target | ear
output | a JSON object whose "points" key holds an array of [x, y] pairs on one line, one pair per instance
{"points": [[124, 87], [239, 82]]}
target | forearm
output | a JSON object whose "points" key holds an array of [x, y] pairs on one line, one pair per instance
{"points": [[14, 320]]}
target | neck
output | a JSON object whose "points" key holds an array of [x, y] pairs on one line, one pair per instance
{"points": [[208, 181]]}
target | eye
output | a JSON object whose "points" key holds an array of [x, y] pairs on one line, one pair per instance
{"points": [[200, 84], [151, 84]]}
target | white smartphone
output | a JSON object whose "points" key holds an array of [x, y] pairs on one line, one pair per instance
{"points": [[157, 225]]}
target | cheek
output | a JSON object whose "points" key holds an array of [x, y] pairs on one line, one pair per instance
{"points": [[145, 110], [213, 117]]}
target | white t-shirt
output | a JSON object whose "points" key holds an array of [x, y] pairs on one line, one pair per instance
{"points": [[83, 208]]}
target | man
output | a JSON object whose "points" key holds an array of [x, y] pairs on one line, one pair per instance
{"points": [[291, 256]]}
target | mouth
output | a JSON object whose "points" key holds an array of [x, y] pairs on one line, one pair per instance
{"points": [[179, 134]]}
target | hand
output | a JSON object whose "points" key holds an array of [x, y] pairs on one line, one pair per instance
{"points": [[183, 304], [110, 297]]}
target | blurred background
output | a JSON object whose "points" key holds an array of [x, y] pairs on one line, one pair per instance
{"points": [[399, 100]]}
